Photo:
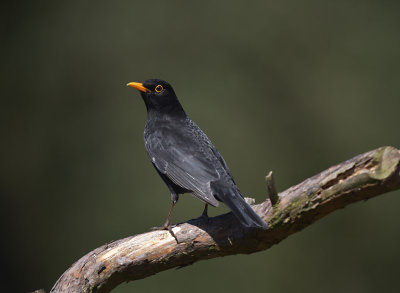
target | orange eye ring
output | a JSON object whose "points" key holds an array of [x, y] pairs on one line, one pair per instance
{"points": [[159, 88]]}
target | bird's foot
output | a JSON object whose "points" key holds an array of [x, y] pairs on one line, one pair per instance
{"points": [[166, 227]]}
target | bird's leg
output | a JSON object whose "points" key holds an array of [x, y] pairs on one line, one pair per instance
{"points": [[204, 215], [205, 211], [167, 225], [168, 221]]}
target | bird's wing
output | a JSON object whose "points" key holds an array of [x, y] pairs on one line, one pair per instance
{"points": [[185, 162]]}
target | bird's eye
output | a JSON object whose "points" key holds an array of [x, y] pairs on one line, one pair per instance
{"points": [[159, 88]]}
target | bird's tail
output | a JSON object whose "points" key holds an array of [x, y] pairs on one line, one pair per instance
{"points": [[240, 208]]}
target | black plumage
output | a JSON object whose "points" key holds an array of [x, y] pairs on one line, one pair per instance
{"points": [[184, 156]]}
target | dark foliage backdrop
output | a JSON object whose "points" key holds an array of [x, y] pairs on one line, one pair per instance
{"points": [[290, 86]]}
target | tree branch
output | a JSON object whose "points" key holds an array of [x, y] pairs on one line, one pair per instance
{"points": [[143, 255]]}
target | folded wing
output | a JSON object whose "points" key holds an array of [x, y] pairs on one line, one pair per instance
{"points": [[186, 163]]}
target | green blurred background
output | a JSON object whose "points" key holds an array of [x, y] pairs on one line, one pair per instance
{"points": [[289, 86]]}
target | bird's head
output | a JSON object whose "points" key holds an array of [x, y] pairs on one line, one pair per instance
{"points": [[157, 95]]}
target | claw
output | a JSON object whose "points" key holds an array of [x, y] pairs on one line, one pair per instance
{"points": [[166, 227]]}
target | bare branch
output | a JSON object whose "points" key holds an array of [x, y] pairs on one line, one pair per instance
{"points": [[143, 255]]}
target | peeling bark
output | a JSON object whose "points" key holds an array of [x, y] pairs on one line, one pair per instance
{"points": [[143, 255]]}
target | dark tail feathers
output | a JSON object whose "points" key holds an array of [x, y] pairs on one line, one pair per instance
{"points": [[240, 208]]}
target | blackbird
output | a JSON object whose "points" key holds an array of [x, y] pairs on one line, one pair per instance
{"points": [[184, 156]]}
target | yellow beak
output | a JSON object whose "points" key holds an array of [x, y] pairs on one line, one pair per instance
{"points": [[137, 85]]}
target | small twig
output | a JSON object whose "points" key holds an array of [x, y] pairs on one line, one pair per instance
{"points": [[272, 194]]}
